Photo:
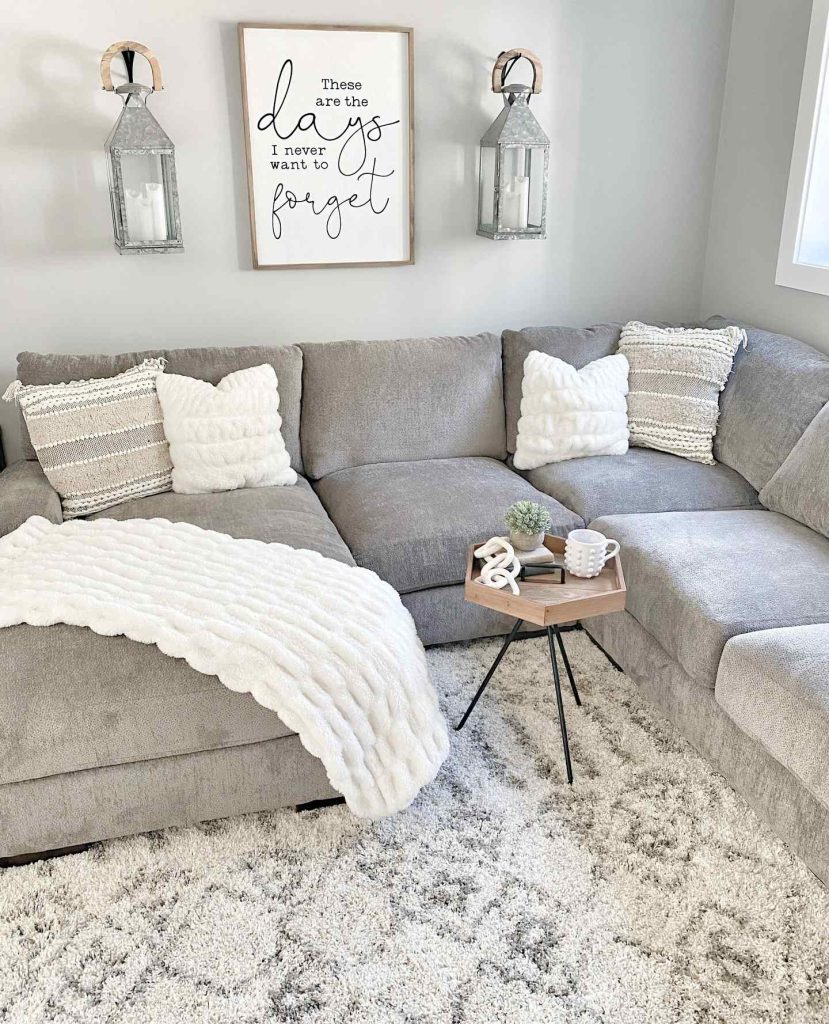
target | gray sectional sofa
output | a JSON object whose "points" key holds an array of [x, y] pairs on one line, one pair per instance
{"points": [[404, 453]]}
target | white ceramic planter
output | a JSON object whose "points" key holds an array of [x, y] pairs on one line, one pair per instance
{"points": [[526, 541]]}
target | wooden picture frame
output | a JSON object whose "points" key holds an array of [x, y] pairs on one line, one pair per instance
{"points": [[309, 93]]}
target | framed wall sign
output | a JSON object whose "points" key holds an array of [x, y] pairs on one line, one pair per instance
{"points": [[329, 133]]}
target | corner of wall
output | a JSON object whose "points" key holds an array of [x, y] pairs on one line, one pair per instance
{"points": [[715, 174]]}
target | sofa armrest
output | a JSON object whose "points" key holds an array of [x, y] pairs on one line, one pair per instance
{"points": [[24, 492]]}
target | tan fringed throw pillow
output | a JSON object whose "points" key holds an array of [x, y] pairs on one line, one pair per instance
{"points": [[100, 442], [676, 376]]}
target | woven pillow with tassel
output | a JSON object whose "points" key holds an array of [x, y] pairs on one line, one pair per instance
{"points": [[676, 376], [100, 442]]}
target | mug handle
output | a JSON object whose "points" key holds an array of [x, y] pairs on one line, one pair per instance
{"points": [[615, 551]]}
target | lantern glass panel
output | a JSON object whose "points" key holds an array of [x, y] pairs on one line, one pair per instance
{"points": [[113, 199], [537, 173], [144, 197], [486, 199]]}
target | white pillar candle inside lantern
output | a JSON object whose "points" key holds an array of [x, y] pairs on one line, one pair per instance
{"points": [[155, 192], [512, 199], [141, 165], [515, 189], [146, 208]]}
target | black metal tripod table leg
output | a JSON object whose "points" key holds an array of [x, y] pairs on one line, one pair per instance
{"points": [[566, 661], [518, 624], [562, 723]]}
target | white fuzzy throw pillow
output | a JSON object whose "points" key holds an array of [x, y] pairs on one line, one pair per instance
{"points": [[225, 436], [568, 413]]}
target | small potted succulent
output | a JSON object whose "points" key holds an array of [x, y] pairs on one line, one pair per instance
{"points": [[528, 522]]}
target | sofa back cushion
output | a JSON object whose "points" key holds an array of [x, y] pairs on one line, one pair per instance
{"points": [[776, 388], [210, 364], [365, 402], [800, 488], [576, 346]]}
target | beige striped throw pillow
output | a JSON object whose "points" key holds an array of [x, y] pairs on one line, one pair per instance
{"points": [[676, 376], [100, 442]]}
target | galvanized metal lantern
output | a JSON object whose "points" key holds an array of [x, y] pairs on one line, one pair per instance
{"points": [[141, 164], [512, 201]]}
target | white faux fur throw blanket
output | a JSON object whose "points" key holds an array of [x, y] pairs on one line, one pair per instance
{"points": [[328, 647]]}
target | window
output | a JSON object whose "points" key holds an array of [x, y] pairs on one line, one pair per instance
{"points": [[804, 245]]}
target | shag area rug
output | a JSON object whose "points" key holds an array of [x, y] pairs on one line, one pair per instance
{"points": [[648, 893]]}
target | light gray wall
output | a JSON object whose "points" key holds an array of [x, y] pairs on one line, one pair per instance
{"points": [[768, 46], [632, 99]]}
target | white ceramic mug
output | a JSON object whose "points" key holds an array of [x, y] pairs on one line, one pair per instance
{"points": [[586, 552]]}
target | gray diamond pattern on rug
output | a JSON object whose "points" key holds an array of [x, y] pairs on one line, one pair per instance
{"points": [[648, 893]]}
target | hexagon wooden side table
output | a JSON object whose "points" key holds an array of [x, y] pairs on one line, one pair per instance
{"points": [[547, 598]]}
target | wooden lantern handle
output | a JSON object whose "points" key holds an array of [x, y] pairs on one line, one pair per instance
{"points": [[109, 53], [500, 70]]}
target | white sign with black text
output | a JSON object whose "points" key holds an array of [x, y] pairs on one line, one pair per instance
{"points": [[328, 126]]}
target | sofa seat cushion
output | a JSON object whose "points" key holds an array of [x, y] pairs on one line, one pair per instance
{"points": [[71, 700], [642, 480], [285, 515], [775, 687], [696, 579], [412, 522]]}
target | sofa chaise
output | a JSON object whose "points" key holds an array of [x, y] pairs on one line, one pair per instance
{"points": [[403, 450]]}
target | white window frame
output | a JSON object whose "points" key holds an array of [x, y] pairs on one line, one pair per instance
{"points": [[791, 273]]}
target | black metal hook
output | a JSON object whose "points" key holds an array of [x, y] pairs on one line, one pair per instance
{"points": [[129, 58]]}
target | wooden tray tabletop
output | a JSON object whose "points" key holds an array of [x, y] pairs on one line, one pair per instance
{"points": [[544, 601]]}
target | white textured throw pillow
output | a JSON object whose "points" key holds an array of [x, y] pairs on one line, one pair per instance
{"points": [[568, 413], [676, 376], [225, 436]]}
